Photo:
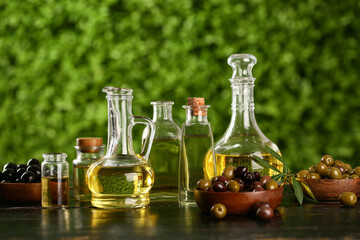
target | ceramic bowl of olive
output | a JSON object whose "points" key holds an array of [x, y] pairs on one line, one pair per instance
{"points": [[239, 190], [330, 178], [21, 183]]}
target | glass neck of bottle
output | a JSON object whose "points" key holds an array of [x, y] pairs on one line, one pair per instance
{"points": [[196, 116], [93, 153], [162, 112], [242, 106], [119, 119]]}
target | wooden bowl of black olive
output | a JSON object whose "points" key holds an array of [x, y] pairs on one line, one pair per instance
{"points": [[329, 178], [21, 183], [238, 190]]}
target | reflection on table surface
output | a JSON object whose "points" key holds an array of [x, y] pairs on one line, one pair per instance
{"points": [[168, 221]]}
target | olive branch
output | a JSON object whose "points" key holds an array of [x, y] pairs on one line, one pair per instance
{"points": [[287, 176]]}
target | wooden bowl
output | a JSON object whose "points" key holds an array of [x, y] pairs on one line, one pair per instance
{"points": [[20, 192], [239, 203], [331, 189]]}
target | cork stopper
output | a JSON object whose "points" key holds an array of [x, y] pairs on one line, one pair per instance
{"points": [[89, 144], [196, 104]]}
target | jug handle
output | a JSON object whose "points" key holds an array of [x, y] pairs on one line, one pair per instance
{"points": [[145, 151]]}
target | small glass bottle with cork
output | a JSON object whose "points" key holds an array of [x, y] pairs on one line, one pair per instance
{"points": [[196, 141], [55, 180], [89, 150]]}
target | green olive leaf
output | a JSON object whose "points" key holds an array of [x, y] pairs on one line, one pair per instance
{"points": [[266, 164], [278, 176], [307, 189], [297, 189]]}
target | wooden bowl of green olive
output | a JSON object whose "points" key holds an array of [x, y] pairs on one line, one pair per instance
{"points": [[329, 179], [238, 190]]}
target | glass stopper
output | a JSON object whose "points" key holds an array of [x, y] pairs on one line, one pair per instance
{"points": [[242, 65]]}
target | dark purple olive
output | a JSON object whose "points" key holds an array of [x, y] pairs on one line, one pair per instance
{"points": [[13, 166], [240, 171], [248, 178], [28, 177], [9, 174], [19, 172], [33, 161], [259, 205], [264, 180], [257, 176], [255, 185], [210, 189], [219, 187], [265, 213], [241, 183], [5, 181], [18, 180], [222, 179], [36, 170], [22, 166], [259, 189]]}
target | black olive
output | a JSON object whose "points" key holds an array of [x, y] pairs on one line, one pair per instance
{"points": [[33, 161], [13, 166], [28, 177], [257, 176], [249, 177], [22, 166], [5, 181], [1, 176], [18, 180], [36, 170], [9, 174], [19, 172], [240, 171]]}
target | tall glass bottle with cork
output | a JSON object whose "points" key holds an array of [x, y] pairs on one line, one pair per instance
{"points": [[243, 139], [196, 141], [89, 150], [122, 179], [164, 155]]}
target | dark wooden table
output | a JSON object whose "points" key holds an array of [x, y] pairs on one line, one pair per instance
{"points": [[167, 221]]}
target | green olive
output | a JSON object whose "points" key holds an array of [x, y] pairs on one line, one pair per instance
{"points": [[322, 169], [346, 176], [335, 173], [313, 176], [354, 176], [312, 168], [329, 171], [233, 186], [271, 185], [218, 211], [341, 168], [328, 160], [203, 184], [357, 171], [338, 162], [347, 167], [229, 172], [349, 199], [303, 173]]}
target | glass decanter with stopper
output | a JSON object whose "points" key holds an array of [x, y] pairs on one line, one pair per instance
{"points": [[164, 154], [122, 179], [196, 141], [243, 139]]}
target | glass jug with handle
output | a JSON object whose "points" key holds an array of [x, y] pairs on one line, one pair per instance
{"points": [[122, 179]]}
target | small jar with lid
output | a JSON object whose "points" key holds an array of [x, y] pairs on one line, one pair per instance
{"points": [[89, 150], [55, 180]]}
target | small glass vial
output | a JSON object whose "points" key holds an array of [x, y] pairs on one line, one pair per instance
{"points": [[196, 141], [55, 180], [164, 154], [89, 150]]}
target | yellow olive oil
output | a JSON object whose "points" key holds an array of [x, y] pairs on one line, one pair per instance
{"points": [[54, 192], [246, 160], [124, 186], [164, 159], [81, 189]]}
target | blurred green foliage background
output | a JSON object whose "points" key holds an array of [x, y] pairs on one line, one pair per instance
{"points": [[56, 56]]}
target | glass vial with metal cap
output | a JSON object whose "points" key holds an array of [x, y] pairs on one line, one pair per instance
{"points": [[164, 155], [196, 141], [55, 180], [89, 150]]}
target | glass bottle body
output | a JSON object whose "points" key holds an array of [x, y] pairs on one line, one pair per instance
{"points": [[243, 138], [55, 180], [164, 155], [196, 142], [121, 179], [85, 157]]}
